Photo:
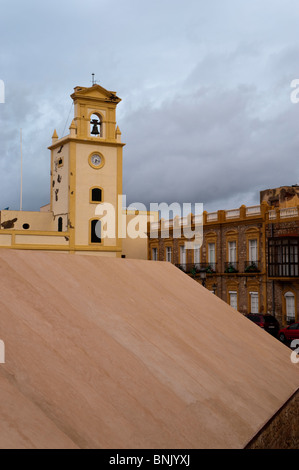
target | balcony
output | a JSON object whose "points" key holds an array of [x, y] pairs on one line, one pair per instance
{"points": [[195, 268], [283, 257], [283, 270], [252, 267], [231, 267]]}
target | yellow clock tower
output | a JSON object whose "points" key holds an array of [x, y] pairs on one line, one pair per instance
{"points": [[85, 213], [86, 170]]}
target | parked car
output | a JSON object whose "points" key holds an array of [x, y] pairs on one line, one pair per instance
{"points": [[268, 322], [289, 333]]}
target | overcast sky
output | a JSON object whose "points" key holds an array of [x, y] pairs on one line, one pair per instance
{"points": [[206, 113]]}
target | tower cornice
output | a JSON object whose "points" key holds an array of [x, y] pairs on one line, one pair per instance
{"points": [[95, 141]]}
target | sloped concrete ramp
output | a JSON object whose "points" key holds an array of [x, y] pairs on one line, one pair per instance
{"points": [[118, 353]]}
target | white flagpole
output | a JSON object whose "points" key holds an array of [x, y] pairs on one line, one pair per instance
{"points": [[21, 189]]}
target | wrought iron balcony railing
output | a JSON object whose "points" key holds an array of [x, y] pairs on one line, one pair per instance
{"points": [[195, 268], [252, 267], [231, 267]]}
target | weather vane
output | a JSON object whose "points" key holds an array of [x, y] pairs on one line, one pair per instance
{"points": [[92, 79]]}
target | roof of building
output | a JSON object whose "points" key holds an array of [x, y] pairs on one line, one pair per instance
{"points": [[119, 353]]}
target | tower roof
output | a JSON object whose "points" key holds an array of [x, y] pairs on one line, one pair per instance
{"points": [[95, 92]]}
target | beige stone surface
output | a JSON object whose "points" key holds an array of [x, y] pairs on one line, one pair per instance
{"points": [[119, 353]]}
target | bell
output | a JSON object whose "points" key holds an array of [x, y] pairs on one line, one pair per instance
{"points": [[95, 123]]}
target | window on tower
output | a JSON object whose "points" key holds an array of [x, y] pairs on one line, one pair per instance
{"points": [[96, 195], [95, 231], [59, 224]]}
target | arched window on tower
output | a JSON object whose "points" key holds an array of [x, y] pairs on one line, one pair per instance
{"points": [[96, 125], [96, 195], [59, 224], [95, 231]]}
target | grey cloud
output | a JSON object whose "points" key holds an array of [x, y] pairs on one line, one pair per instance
{"points": [[205, 114], [205, 147]]}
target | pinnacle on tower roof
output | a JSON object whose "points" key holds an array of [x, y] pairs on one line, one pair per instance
{"points": [[54, 136]]}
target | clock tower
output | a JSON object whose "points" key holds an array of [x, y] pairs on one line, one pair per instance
{"points": [[86, 170]]}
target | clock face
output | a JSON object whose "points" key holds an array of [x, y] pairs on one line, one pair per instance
{"points": [[96, 160]]}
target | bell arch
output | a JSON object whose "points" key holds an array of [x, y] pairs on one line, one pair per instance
{"points": [[96, 124]]}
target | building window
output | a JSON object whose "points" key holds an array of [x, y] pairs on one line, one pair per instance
{"points": [[155, 254], [231, 266], [233, 299], [253, 251], [290, 307], [232, 252], [254, 302], [283, 257], [95, 231], [182, 255], [197, 256], [212, 254], [96, 195], [59, 224], [169, 254]]}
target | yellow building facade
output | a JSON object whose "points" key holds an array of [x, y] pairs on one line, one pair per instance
{"points": [[86, 179]]}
